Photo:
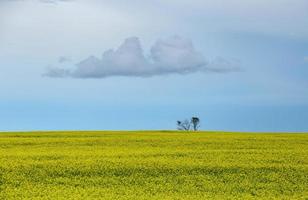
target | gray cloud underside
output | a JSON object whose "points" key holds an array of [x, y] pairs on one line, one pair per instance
{"points": [[173, 55]]}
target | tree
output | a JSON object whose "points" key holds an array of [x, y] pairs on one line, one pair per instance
{"points": [[184, 125], [195, 121], [187, 125]]}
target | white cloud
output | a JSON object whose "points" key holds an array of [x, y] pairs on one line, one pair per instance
{"points": [[174, 55]]}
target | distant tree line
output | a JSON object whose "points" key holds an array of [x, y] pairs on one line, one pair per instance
{"points": [[187, 125]]}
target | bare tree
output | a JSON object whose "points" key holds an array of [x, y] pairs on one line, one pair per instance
{"points": [[184, 125], [195, 121]]}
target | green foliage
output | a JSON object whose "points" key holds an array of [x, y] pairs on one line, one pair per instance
{"points": [[153, 165]]}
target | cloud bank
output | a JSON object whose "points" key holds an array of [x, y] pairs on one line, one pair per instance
{"points": [[174, 55]]}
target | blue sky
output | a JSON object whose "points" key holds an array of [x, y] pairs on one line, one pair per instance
{"points": [[238, 65]]}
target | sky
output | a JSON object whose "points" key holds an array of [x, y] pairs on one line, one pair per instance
{"points": [[137, 65]]}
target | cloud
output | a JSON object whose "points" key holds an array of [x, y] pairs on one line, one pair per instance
{"points": [[174, 55], [63, 59], [306, 59], [55, 72]]}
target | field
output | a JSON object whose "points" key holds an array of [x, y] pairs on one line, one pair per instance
{"points": [[153, 165]]}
